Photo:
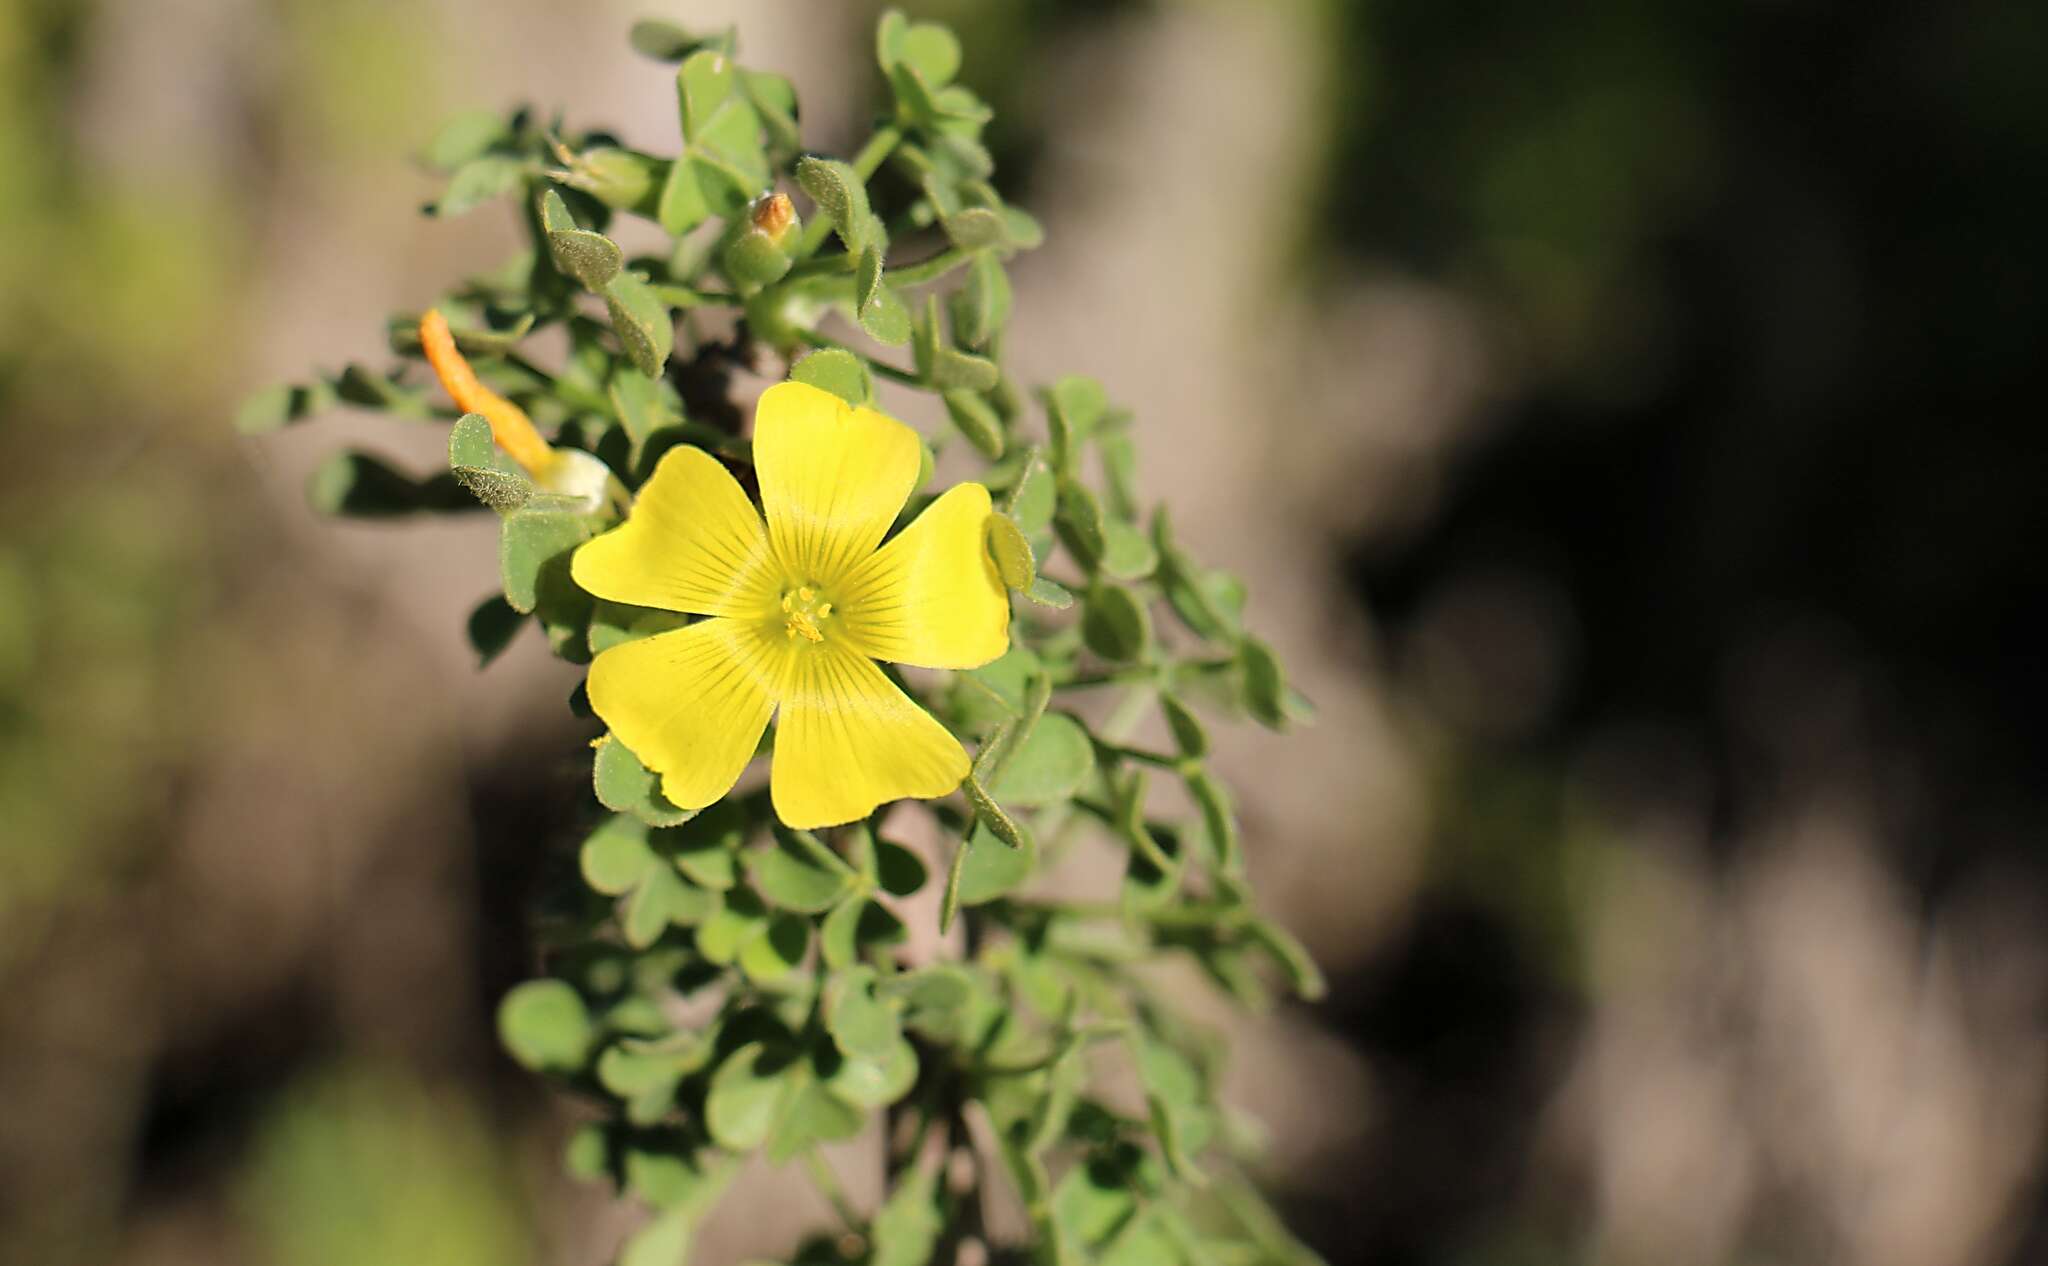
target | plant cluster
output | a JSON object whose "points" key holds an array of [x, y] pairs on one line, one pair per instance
{"points": [[716, 982]]}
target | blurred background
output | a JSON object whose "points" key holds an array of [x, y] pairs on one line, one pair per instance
{"points": [[1620, 410]]}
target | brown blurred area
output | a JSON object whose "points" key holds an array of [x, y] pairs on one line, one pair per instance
{"points": [[1614, 410]]}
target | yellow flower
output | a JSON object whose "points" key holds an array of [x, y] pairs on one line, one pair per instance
{"points": [[801, 609]]}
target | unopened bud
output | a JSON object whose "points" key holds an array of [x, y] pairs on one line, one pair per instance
{"points": [[759, 254], [775, 215]]}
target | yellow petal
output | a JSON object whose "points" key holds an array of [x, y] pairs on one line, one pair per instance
{"points": [[692, 704], [692, 542], [833, 478], [849, 740], [931, 597]]}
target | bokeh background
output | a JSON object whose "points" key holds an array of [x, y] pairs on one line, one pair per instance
{"points": [[1622, 412]]}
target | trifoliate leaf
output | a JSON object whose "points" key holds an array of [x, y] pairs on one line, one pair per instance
{"points": [[745, 1095]]}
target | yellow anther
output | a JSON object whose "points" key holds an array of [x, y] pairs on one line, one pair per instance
{"points": [[801, 612]]}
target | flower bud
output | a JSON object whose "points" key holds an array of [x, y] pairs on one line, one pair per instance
{"points": [[759, 254]]}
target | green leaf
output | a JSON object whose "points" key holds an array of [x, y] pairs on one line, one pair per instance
{"points": [[837, 371], [926, 47], [774, 100], [842, 195], [479, 466], [282, 405], [682, 205], [615, 858], [667, 42], [1011, 551], [1079, 403], [981, 307], [907, 1226], [615, 624], [976, 229], [992, 869], [839, 934], [973, 418], [664, 1241], [663, 1176], [862, 1027], [533, 555], [1034, 496], [867, 280], [1114, 624], [1081, 521], [591, 258], [876, 1083], [369, 390], [777, 952], [991, 814], [706, 848], [1265, 688], [624, 785], [491, 628], [740, 922], [900, 871], [1046, 593], [888, 320], [363, 486], [1302, 973], [1219, 820], [643, 324], [545, 1026], [812, 1115], [942, 367], [1126, 554], [463, 137], [745, 1093], [792, 880], [662, 900], [1188, 734], [1050, 767], [478, 181]]}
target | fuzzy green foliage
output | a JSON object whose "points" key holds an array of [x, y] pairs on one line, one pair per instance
{"points": [[1030, 1045]]}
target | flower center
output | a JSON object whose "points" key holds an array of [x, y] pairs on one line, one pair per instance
{"points": [[803, 610]]}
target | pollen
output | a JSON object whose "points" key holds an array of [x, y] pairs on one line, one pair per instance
{"points": [[802, 611]]}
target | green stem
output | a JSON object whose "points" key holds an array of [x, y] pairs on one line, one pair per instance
{"points": [[931, 269], [827, 1184]]}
